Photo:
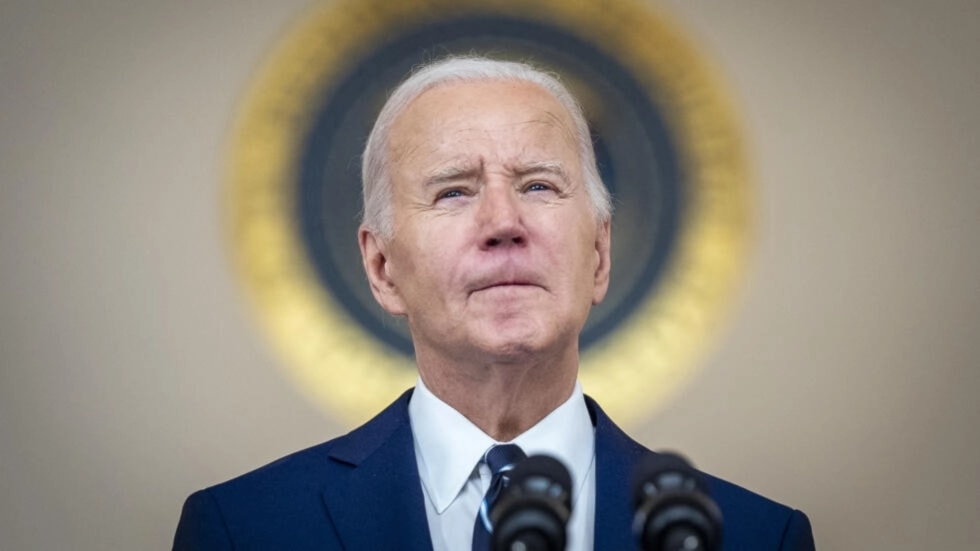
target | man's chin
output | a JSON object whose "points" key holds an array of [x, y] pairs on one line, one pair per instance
{"points": [[510, 344], [512, 352]]}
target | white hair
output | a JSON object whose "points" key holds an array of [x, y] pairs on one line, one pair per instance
{"points": [[376, 182]]}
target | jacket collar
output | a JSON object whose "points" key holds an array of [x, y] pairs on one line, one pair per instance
{"points": [[375, 498], [616, 457]]}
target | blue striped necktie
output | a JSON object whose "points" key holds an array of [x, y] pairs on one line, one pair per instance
{"points": [[501, 459]]}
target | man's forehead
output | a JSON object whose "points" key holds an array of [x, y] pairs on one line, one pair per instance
{"points": [[459, 103], [522, 120], [461, 160]]}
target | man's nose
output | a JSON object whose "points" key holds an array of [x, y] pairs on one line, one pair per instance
{"points": [[500, 219]]}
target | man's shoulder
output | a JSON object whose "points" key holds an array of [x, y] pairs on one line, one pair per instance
{"points": [[729, 493], [315, 464], [284, 504], [259, 508], [296, 469], [755, 520], [751, 521]]}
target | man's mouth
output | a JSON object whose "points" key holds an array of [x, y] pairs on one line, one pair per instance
{"points": [[504, 284]]}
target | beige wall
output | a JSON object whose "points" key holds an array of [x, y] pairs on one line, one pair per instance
{"points": [[844, 384]]}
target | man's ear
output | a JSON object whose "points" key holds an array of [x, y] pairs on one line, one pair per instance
{"points": [[603, 242], [375, 258]]}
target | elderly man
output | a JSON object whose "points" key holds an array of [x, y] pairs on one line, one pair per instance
{"points": [[486, 225]]}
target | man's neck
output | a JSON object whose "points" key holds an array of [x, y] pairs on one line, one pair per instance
{"points": [[503, 400]]}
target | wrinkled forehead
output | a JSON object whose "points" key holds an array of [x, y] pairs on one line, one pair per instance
{"points": [[516, 115]]}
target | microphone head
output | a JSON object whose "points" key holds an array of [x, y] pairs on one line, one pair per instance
{"points": [[673, 508], [664, 471], [534, 507], [542, 473]]}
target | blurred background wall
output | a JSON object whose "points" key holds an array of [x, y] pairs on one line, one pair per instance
{"points": [[845, 384]]}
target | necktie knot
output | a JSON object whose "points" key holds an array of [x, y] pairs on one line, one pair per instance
{"points": [[502, 458]]}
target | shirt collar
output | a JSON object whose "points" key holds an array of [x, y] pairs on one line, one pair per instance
{"points": [[449, 446]]}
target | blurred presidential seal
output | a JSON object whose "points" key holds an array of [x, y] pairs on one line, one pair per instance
{"points": [[667, 148]]}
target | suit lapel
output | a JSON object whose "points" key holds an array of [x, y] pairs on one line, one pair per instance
{"points": [[375, 500], [616, 458]]}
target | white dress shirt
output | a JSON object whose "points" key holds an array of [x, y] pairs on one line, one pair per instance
{"points": [[448, 448]]}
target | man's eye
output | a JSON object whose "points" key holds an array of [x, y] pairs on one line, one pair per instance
{"points": [[537, 186], [449, 194]]}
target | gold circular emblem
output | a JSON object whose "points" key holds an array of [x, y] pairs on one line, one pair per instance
{"points": [[666, 143]]}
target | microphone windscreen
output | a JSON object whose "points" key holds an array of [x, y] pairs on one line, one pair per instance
{"points": [[541, 469], [533, 510], [664, 471], [673, 509]]}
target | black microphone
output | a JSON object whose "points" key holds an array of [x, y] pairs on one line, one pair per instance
{"points": [[532, 511], [673, 509]]}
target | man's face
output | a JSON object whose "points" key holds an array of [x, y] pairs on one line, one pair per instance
{"points": [[496, 252]]}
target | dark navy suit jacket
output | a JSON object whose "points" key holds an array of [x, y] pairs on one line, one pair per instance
{"points": [[362, 491]]}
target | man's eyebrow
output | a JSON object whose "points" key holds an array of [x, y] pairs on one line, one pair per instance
{"points": [[547, 167], [457, 172], [452, 173]]}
